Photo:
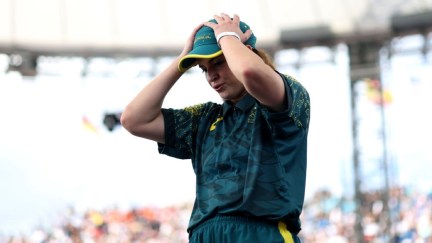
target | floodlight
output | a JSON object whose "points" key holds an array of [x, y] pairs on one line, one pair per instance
{"points": [[409, 22], [307, 36]]}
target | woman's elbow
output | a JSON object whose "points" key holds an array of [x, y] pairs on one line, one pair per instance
{"points": [[127, 121], [250, 77], [141, 126]]}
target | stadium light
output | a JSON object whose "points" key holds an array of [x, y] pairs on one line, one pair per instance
{"points": [[111, 120], [419, 22], [307, 36], [25, 63]]}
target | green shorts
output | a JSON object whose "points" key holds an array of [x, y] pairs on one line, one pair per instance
{"points": [[235, 229]]}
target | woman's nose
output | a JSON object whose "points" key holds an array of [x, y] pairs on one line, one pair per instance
{"points": [[211, 76]]}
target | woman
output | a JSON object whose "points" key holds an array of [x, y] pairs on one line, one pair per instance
{"points": [[249, 153]]}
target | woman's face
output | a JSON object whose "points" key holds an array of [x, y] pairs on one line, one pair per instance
{"points": [[221, 79]]}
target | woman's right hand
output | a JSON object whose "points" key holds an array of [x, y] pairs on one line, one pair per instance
{"points": [[190, 41]]}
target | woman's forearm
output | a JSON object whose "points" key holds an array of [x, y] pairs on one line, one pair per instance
{"points": [[141, 114]]}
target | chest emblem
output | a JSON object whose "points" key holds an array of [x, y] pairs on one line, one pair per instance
{"points": [[213, 125]]}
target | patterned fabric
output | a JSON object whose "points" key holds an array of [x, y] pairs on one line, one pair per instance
{"points": [[248, 161]]}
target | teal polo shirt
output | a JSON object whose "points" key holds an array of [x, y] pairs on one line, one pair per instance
{"points": [[247, 160]]}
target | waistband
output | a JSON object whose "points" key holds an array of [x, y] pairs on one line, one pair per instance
{"points": [[292, 225], [238, 219]]}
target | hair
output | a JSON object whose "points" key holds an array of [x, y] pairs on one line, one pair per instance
{"points": [[265, 57]]}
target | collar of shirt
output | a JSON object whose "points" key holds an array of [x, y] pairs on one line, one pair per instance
{"points": [[246, 103]]}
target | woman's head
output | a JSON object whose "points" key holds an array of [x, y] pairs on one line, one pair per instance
{"points": [[207, 54], [206, 46], [221, 79]]}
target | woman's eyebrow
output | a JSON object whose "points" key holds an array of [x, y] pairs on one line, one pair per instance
{"points": [[215, 59]]}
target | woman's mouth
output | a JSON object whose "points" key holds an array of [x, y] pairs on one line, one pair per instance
{"points": [[218, 87]]}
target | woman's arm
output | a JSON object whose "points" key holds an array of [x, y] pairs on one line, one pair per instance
{"points": [[142, 116], [259, 79]]}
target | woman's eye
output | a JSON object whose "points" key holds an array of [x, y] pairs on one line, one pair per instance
{"points": [[203, 69], [218, 62]]}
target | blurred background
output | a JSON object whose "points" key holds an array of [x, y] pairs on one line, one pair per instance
{"points": [[70, 173]]}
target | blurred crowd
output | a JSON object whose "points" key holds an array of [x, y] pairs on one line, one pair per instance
{"points": [[325, 218], [408, 218], [144, 224]]}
